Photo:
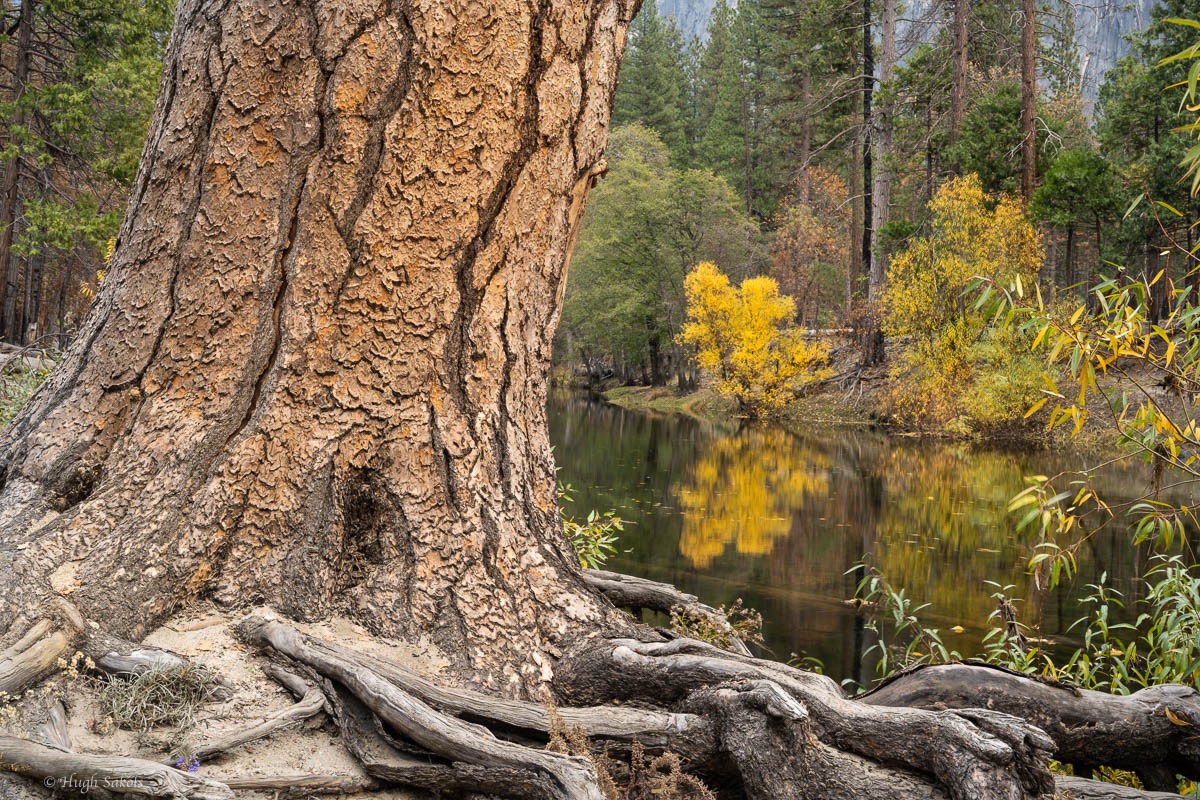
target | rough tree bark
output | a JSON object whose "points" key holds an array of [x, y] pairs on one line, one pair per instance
{"points": [[10, 300], [882, 121], [316, 377], [959, 66], [316, 373]]}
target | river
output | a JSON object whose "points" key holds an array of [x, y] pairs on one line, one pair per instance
{"points": [[778, 518]]}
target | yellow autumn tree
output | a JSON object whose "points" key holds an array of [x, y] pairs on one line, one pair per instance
{"points": [[743, 340], [958, 370]]}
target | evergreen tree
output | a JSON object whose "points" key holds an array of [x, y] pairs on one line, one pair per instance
{"points": [[76, 106], [653, 88]]}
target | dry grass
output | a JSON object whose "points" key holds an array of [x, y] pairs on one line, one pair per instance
{"points": [[169, 696]]}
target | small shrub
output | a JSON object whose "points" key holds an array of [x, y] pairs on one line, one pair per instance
{"points": [[593, 540], [744, 624], [743, 339]]}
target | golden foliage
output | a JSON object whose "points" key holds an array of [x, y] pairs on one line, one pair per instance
{"points": [[958, 368], [742, 339], [969, 239]]}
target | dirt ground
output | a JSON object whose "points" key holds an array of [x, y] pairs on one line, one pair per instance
{"points": [[309, 747]]}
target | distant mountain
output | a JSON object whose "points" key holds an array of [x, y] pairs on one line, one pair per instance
{"points": [[690, 15], [1100, 29]]}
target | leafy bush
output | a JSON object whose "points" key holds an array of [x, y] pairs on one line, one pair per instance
{"points": [[959, 370], [595, 539], [744, 341], [16, 387]]}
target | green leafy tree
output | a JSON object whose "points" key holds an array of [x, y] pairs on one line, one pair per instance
{"points": [[1080, 190], [647, 224]]}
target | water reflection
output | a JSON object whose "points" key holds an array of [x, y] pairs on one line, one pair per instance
{"points": [[778, 518]]}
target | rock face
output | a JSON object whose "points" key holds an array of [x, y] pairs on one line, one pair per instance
{"points": [[1100, 31], [690, 15]]}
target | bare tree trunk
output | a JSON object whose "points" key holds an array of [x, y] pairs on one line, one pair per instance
{"points": [[806, 138], [1028, 99], [868, 62], [10, 301], [958, 79], [882, 133], [324, 270]]}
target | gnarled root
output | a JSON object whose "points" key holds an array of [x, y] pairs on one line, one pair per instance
{"points": [[80, 772], [449, 738], [630, 591], [33, 657], [1152, 732], [974, 754], [311, 702], [768, 736]]}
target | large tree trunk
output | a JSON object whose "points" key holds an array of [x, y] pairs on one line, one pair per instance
{"points": [[315, 375]]}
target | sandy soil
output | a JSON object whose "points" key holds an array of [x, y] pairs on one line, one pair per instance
{"points": [[310, 747]]}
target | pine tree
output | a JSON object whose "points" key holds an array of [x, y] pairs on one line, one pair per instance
{"points": [[653, 88]]}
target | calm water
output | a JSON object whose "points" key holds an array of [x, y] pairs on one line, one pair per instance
{"points": [[777, 518]]}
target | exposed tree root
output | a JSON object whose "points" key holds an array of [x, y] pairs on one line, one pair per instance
{"points": [[449, 738], [80, 771], [629, 591], [753, 729], [1070, 788], [687, 734], [975, 755], [768, 736], [54, 730], [386, 759], [312, 700], [33, 657], [119, 657], [1154, 732], [303, 785]]}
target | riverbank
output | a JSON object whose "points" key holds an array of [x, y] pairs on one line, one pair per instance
{"points": [[820, 408], [861, 405]]}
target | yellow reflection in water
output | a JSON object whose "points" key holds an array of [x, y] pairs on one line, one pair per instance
{"points": [[745, 490]]}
